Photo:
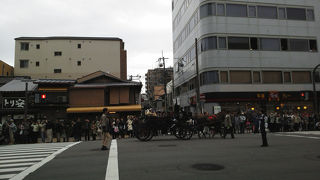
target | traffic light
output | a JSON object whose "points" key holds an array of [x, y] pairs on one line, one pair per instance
{"points": [[43, 96], [304, 96]]}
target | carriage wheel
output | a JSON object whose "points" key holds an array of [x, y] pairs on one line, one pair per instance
{"points": [[143, 133]]}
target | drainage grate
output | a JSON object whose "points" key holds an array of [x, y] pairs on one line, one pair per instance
{"points": [[207, 167], [168, 145]]}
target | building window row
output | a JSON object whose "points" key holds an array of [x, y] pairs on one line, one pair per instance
{"points": [[24, 46], [180, 13], [258, 43], [255, 77], [24, 63], [247, 77], [243, 10], [256, 11], [194, 20]]}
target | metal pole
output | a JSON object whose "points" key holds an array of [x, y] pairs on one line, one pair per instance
{"points": [[197, 79], [315, 97], [165, 84], [26, 102]]}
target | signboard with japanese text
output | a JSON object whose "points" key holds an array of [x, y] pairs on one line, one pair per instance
{"points": [[13, 103]]}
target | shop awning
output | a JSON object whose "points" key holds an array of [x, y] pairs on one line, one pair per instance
{"points": [[128, 108]]}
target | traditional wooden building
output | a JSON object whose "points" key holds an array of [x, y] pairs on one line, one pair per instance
{"points": [[51, 98], [99, 90], [17, 99]]}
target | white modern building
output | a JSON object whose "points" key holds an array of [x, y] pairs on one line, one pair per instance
{"points": [[69, 57], [252, 53]]}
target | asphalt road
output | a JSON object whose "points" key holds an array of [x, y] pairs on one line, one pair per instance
{"points": [[165, 157]]}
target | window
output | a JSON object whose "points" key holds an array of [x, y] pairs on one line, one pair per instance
{"points": [[222, 43], [310, 15], [299, 44], [252, 11], [253, 43], [296, 13], [284, 44], [224, 76], [24, 46], [37, 63], [207, 10], [267, 12], [269, 44], [79, 46], [238, 43], [301, 77], [272, 77], [209, 77], [38, 46], [208, 43], [313, 45], [282, 13], [57, 53], [287, 77], [240, 77], [236, 10], [24, 63], [256, 77], [221, 10], [57, 71], [79, 63]]}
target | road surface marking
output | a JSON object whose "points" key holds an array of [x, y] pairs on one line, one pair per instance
{"points": [[112, 172], [12, 169], [20, 160], [291, 135], [36, 166], [19, 156], [23, 154], [7, 176], [16, 164]]}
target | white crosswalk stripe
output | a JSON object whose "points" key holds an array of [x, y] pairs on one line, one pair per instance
{"points": [[17, 161]]}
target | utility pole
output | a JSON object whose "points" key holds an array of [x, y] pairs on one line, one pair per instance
{"points": [[198, 109], [315, 97], [163, 59]]}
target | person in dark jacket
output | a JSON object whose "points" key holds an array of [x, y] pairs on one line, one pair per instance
{"points": [[263, 119], [77, 130]]}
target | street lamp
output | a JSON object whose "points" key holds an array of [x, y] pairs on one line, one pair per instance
{"points": [[163, 64]]}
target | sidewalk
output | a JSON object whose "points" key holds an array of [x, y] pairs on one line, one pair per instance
{"points": [[315, 133], [82, 161]]}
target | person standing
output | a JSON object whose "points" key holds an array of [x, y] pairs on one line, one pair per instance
{"points": [[12, 131], [34, 132], [49, 130], [262, 121], [105, 123], [42, 127], [86, 127], [130, 127], [228, 126]]}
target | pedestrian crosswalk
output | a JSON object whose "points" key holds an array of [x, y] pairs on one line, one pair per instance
{"points": [[17, 161]]}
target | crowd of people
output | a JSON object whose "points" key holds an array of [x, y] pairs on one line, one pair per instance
{"points": [[46, 131], [275, 122], [33, 131]]}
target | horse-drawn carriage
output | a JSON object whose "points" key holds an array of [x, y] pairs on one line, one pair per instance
{"points": [[183, 126], [149, 126]]}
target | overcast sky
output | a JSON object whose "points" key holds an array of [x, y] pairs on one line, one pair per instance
{"points": [[144, 25]]}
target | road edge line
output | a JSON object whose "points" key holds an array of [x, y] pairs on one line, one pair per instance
{"points": [[112, 172], [36, 166]]}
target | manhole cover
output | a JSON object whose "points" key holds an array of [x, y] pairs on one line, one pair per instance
{"points": [[319, 157], [207, 167], [168, 145]]}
